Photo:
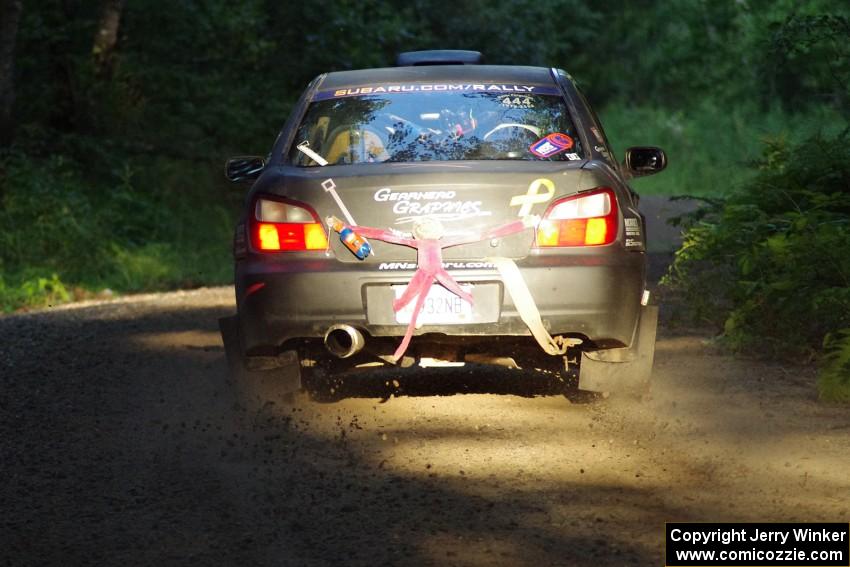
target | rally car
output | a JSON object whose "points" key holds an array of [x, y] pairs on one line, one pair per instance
{"points": [[448, 210]]}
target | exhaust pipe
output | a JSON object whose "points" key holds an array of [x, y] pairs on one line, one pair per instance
{"points": [[343, 341]]}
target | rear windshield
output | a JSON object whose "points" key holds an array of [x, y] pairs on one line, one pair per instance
{"points": [[411, 123]]}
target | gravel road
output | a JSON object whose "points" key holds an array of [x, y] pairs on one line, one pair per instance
{"points": [[120, 444]]}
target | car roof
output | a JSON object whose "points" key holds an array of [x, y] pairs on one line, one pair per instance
{"points": [[439, 74]]}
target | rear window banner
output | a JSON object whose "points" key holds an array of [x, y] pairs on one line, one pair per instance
{"points": [[435, 87]]}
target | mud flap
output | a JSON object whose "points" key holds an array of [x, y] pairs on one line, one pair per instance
{"points": [[265, 378], [625, 370]]}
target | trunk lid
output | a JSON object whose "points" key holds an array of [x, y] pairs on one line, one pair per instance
{"points": [[466, 197]]}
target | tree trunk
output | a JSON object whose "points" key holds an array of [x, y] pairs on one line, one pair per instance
{"points": [[10, 15], [106, 36]]}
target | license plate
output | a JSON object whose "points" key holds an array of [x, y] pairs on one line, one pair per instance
{"points": [[441, 307]]}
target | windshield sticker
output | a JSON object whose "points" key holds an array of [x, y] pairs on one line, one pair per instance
{"points": [[533, 196], [550, 145], [573, 157], [512, 101], [442, 87], [441, 205]]}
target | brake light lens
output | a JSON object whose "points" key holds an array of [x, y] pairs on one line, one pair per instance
{"points": [[269, 240], [588, 219], [286, 226]]}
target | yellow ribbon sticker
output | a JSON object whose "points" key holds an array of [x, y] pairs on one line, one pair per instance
{"points": [[533, 196]]}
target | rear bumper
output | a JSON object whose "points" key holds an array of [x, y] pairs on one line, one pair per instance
{"points": [[592, 292]]}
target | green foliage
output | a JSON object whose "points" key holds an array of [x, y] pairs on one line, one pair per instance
{"points": [[710, 145], [808, 58], [768, 264], [61, 231], [205, 71], [34, 292], [834, 380]]}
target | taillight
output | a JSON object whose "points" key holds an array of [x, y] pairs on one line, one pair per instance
{"points": [[283, 225], [587, 219]]}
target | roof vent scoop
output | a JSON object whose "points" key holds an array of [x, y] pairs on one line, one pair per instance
{"points": [[439, 57]]}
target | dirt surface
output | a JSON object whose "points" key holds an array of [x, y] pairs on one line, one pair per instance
{"points": [[120, 445]]}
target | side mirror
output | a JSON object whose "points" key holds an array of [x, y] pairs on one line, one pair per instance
{"points": [[645, 160], [244, 168]]}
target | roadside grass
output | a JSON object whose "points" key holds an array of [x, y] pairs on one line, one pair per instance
{"points": [[150, 226], [834, 378]]}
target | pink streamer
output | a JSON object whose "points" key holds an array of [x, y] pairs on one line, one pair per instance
{"points": [[429, 260]]}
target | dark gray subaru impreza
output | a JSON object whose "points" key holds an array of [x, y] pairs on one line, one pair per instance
{"points": [[442, 210]]}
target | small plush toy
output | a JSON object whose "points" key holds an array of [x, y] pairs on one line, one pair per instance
{"points": [[429, 243]]}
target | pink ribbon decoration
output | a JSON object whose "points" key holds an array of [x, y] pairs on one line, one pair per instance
{"points": [[429, 245]]}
